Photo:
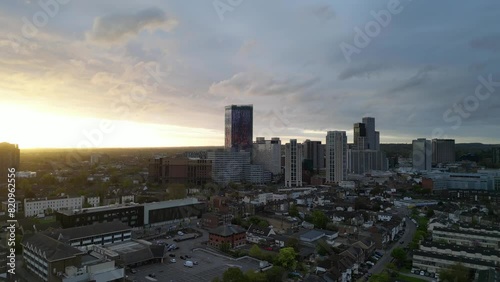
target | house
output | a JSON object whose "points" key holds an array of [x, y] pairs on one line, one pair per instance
{"points": [[384, 217], [312, 235], [257, 234], [234, 235]]}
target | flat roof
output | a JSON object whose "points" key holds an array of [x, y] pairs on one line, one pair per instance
{"points": [[467, 232], [98, 209], [453, 258], [88, 230]]}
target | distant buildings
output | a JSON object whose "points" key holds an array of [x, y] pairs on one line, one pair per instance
{"points": [[239, 128], [495, 155], [443, 151], [315, 152], [229, 166], [293, 164], [9, 158], [486, 180], [422, 154], [268, 154], [180, 170], [33, 207], [336, 156], [365, 155]]}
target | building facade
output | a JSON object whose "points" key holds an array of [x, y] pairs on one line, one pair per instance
{"points": [[336, 156], [229, 166], [422, 154], [268, 154], [364, 161], [233, 235], [34, 207], [238, 128], [443, 151], [314, 151], [181, 170], [293, 164]]}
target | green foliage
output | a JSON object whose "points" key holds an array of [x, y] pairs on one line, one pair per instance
{"points": [[293, 211], [233, 274], [456, 273], [399, 255], [252, 276], [319, 219], [255, 252], [287, 258], [177, 191], [292, 243], [382, 277], [225, 247], [275, 274], [430, 213]]}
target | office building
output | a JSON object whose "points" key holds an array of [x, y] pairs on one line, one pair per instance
{"points": [[183, 170], [422, 154], [485, 180], [443, 151], [171, 212], [9, 158], [495, 155], [293, 164], [336, 156], [233, 235], [365, 161], [268, 154], [239, 128], [314, 151], [229, 166], [370, 132]]}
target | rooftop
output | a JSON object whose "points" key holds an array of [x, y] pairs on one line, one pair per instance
{"points": [[227, 230], [50, 248], [453, 258], [88, 230]]}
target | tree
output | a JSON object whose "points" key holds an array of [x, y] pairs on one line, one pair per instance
{"points": [[382, 277], [233, 274], [430, 213], [252, 276], [275, 274], [177, 191], [255, 252], [292, 243], [455, 273], [293, 211], [399, 255], [287, 258], [319, 219], [225, 247]]}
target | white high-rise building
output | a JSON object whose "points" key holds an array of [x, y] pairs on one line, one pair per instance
{"points": [[336, 156], [268, 154], [293, 164], [422, 154]]}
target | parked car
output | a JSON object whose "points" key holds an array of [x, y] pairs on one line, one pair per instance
{"points": [[188, 263], [172, 255], [133, 271], [187, 256], [195, 262], [182, 257], [152, 275], [180, 233], [402, 242], [173, 260]]}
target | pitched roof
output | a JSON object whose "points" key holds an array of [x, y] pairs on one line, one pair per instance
{"points": [[88, 230], [257, 230], [227, 230], [50, 248]]}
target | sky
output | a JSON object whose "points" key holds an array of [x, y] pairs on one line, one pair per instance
{"points": [[157, 73]]}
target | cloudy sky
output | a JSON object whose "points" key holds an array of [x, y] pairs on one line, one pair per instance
{"points": [[159, 73]]}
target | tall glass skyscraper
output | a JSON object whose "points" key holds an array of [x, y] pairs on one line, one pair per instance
{"points": [[239, 128]]}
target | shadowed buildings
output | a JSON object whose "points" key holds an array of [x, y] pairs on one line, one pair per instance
{"points": [[238, 128], [9, 158]]}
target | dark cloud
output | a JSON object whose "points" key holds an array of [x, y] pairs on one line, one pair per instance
{"points": [[258, 84], [365, 70], [421, 77], [490, 43], [117, 27]]}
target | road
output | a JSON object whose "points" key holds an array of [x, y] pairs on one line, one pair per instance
{"points": [[410, 230]]}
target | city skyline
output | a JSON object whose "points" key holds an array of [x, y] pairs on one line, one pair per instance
{"points": [[155, 74]]}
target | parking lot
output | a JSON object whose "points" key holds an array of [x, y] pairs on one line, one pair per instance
{"points": [[209, 266]]}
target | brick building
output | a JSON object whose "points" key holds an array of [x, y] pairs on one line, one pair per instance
{"points": [[232, 234]]}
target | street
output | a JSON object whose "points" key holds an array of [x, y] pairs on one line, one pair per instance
{"points": [[410, 230]]}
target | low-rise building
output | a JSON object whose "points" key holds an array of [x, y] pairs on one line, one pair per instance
{"points": [[466, 237], [234, 235], [41, 206]]}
